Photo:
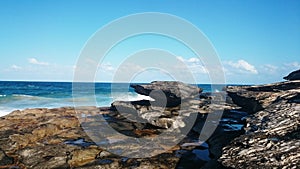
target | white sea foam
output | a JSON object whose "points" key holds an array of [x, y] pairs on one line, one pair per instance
{"points": [[141, 97], [22, 95], [131, 97], [4, 111]]}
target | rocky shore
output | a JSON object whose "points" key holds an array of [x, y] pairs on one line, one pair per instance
{"points": [[272, 138], [253, 127]]}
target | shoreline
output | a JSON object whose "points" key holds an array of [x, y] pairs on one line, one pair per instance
{"points": [[41, 131], [140, 97]]}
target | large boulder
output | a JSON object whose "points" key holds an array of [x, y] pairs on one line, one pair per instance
{"points": [[295, 75], [168, 93], [171, 98]]}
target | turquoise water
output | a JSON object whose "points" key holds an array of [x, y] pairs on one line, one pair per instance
{"points": [[21, 95]]}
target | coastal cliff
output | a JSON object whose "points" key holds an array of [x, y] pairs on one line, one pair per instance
{"points": [[257, 127]]}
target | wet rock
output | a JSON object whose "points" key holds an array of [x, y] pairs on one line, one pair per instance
{"points": [[4, 159], [79, 142], [191, 159], [295, 75], [168, 93], [224, 131]]}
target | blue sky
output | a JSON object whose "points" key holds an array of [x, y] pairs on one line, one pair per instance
{"points": [[257, 41]]}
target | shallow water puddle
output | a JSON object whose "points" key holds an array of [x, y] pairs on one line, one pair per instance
{"points": [[79, 142]]}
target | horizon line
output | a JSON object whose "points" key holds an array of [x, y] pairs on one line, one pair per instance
{"points": [[45, 81]]}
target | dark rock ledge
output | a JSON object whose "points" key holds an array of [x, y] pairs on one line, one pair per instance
{"points": [[295, 75], [54, 138], [272, 138]]}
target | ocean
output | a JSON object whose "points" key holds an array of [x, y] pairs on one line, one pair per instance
{"points": [[17, 95]]}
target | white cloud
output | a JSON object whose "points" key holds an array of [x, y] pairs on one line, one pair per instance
{"points": [[242, 66], [106, 67], [36, 62], [15, 67], [194, 64], [270, 69], [180, 58], [193, 60]]}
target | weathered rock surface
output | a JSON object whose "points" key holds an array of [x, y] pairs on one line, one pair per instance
{"points": [[53, 138], [65, 138], [272, 138], [295, 75], [163, 117], [182, 98], [168, 93], [256, 98], [158, 114]]}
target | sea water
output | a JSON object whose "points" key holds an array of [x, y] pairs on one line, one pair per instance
{"points": [[16, 95]]}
